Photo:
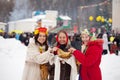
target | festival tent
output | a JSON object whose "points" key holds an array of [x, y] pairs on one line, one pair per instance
{"points": [[66, 24]]}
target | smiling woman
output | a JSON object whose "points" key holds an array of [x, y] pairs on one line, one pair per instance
{"points": [[38, 57], [64, 67], [89, 57]]}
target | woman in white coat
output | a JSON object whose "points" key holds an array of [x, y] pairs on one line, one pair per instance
{"points": [[38, 55]]}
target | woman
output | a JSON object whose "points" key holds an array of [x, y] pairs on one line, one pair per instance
{"points": [[65, 66], [89, 57], [38, 55]]}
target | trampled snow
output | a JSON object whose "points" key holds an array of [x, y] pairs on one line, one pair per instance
{"points": [[13, 53]]}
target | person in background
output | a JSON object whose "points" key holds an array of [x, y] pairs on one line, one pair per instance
{"points": [[24, 38], [105, 44], [116, 44], [76, 43], [89, 57], [37, 58], [65, 64]]}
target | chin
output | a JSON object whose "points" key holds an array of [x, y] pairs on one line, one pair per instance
{"points": [[62, 43]]}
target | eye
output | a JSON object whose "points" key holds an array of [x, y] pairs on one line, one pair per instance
{"points": [[64, 37], [40, 35], [60, 37]]}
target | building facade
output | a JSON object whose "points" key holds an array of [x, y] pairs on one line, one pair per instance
{"points": [[116, 15]]}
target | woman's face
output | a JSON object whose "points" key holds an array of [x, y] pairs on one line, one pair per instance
{"points": [[62, 38], [41, 38], [85, 38]]}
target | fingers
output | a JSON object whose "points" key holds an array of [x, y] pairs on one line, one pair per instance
{"points": [[71, 50]]}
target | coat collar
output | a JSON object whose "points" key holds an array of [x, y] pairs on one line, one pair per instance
{"points": [[98, 42]]}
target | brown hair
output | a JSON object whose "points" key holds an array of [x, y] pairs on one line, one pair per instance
{"points": [[37, 42]]}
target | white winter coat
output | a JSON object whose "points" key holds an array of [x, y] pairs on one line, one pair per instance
{"points": [[33, 61]]}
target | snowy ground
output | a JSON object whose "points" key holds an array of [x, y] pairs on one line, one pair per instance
{"points": [[12, 57], [110, 67]]}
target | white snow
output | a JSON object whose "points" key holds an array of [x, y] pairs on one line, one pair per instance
{"points": [[12, 57], [13, 53], [110, 67]]}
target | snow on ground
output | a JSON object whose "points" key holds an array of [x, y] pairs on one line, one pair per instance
{"points": [[12, 57], [110, 67]]}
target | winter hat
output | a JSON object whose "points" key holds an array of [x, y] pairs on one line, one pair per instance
{"points": [[41, 30], [87, 32]]}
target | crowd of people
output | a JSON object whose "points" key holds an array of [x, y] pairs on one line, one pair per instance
{"points": [[22, 37]]}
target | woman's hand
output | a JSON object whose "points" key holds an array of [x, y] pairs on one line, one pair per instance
{"points": [[54, 49], [71, 49]]}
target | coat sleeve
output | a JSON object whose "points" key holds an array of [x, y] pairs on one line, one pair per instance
{"points": [[88, 59], [33, 55]]}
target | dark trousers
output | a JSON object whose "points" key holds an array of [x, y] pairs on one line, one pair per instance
{"points": [[104, 52]]}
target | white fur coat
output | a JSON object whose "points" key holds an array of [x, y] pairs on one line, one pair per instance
{"points": [[33, 61]]}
